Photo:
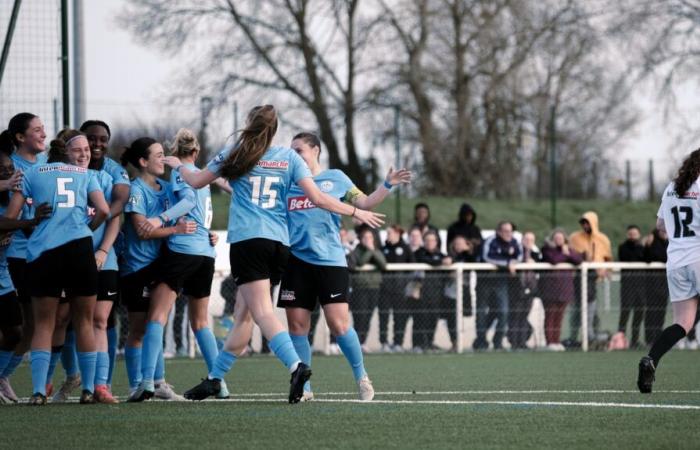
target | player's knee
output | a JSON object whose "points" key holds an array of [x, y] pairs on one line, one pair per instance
{"points": [[100, 323], [198, 323], [338, 327]]}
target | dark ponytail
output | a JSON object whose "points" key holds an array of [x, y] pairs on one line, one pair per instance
{"points": [[137, 150], [255, 139], [688, 173], [19, 124], [6, 144], [58, 149]]}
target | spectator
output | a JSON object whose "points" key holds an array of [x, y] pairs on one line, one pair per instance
{"points": [[461, 251], [365, 292], [466, 227], [632, 287], [349, 240], [524, 289], [432, 294], [392, 293], [503, 251], [415, 240], [557, 286], [421, 220], [656, 287], [595, 247]]}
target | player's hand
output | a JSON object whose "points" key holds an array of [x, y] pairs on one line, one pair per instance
{"points": [[148, 226], [185, 226], [100, 258], [213, 239], [14, 183], [42, 212], [172, 161], [373, 219], [396, 177]]}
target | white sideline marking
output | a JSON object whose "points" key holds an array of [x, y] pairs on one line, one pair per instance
{"points": [[526, 392]]}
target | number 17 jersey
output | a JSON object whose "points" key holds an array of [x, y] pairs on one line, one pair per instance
{"points": [[681, 216]]}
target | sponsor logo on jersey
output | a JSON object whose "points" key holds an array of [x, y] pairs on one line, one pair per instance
{"points": [[688, 195], [29, 201], [299, 203], [326, 186], [44, 169], [273, 164], [287, 296], [90, 211]]}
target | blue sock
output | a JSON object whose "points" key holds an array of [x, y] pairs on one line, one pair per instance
{"points": [[69, 358], [55, 356], [303, 349], [101, 368], [87, 362], [5, 357], [152, 346], [40, 360], [207, 345], [349, 344], [132, 356], [281, 345], [112, 342], [15, 361], [222, 365], [159, 374]]}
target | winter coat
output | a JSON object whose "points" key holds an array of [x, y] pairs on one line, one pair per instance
{"points": [[463, 227], [595, 246], [557, 286], [361, 256]]}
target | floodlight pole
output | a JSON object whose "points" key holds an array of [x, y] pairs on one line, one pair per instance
{"points": [[8, 37], [552, 167], [65, 67], [397, 144]]}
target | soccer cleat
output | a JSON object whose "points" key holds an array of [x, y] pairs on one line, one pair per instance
{"points": [[364, 386], [102, 395], [87, 398], [164, 391], [300, 376], [37, 400], [140, 394], [205, 389], [7, 391], [307, 396], [68, 386], [646, 375], [223, 393]]}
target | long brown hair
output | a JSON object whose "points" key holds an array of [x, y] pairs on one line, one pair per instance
{"points": [[254, 140], [688, 173]]}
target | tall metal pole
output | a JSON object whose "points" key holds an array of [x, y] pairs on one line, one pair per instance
{"points": [[628, 179], [553, 166], [397, 144], [78, 62], [235, 116], [8, 37], [65, 67]]}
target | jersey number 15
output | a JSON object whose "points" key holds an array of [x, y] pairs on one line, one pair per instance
{"points": [[262, 187]]}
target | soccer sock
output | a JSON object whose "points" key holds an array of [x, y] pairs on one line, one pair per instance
{"points": [[132, 356], [349, 344], [5, 357], [40, 360], [159, 373], [87, 362], [152, 346], [69, 358], [207, 345], [101, 368], [55, 356], [666, 341], [303, 349], [222, 365], [281, 345], [112, 342], [15, 361]]}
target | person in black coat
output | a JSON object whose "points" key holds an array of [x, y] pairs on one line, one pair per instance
{"points": [[632, 286], [466, 226], [524, 288]]}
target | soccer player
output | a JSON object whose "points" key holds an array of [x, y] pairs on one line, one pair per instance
{"points": [[60, 256], [317, 269], [187, 266], [260, 176], [26, 131], [149, 197], [679, 216]]}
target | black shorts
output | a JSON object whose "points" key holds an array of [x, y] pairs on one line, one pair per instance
{"points": [[10, 311], [258, 259], [18, 273], [135, 288], [187, 274], [108, 285], [70, 267], [304, 284]]}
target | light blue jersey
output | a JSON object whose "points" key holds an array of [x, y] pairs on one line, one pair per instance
{"points": [[116, 171], [6, 285], [314, 232], [65, 188], [202, 213], [258, 207], [105, 181], [18, 247], [144, 200]]}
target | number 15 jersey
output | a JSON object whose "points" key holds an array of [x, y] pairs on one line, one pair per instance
{"points": [[681, 216], [65, 188]]}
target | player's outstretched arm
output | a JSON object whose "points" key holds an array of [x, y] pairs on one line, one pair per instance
{"points": [[393, 178], [195, 179]]}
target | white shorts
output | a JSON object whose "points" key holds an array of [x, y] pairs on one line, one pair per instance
{"points": [[684, 282]]}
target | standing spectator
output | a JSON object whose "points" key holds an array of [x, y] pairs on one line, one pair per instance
{"points": [[656, 286], [365, 292], [432, 294], [466, 227], [524, 289], [461, 251], [595, 247], [632, 287], [503, 251], [421, 220], [557, 286], [348, 239], [392, 293]]}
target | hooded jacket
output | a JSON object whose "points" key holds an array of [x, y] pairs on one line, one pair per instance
{"points": [[465, 228], [594, 247]]}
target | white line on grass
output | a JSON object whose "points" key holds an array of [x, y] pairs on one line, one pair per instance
{"points": [[504, 392]]}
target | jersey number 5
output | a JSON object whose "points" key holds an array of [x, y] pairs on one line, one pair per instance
{"points": [[260, 189], [681, 227], [67, 193]]}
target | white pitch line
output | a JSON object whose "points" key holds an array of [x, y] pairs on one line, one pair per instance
{"points": [[504, 392]]}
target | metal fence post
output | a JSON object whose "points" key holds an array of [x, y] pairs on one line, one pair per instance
{"points": [[459, 308], [584, 307]]}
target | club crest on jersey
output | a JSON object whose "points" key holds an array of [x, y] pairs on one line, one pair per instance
{"points": [[134, 200], [220, 157], [273, 164], [299, 203], [125, 176], [326, 186]]}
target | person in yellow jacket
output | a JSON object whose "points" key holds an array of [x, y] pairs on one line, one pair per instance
{"points": [[595, 247]]}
